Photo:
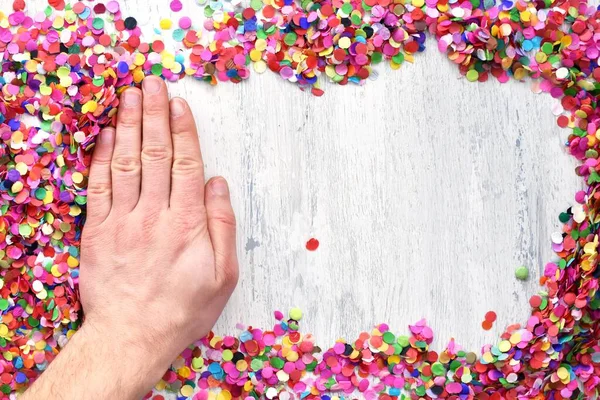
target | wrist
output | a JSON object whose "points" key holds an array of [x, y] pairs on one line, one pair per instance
{"points": [[126, 353], [101, 364]]}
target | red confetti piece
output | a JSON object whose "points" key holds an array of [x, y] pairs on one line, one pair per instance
{"points": [[490, 316], [312, 244]]}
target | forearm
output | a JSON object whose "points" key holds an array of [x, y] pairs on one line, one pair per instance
{"points": [[90, 367]]}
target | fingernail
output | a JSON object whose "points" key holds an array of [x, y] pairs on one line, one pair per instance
{"points": [[106, 136], [131, 98], [219, 187], [151, 84], [178, 107]]}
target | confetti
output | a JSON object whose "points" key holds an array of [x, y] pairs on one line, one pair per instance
{"points": [[489, 319], [490, 316], [312, 244], [176, 6], [522, 273], [66, 68]]}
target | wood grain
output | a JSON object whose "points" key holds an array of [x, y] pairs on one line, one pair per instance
{"points": [[425, 191]]}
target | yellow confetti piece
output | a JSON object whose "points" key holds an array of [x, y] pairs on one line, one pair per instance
{"points": [[49, 197], [138, 76], [255, 55], [89, 107], [77, 177], [562, 373], [224, 395], [515, 338], [99, 49], [21, 167], [55, 272], [42, 295], [344, 42], [504, 346], [292, 356], [487, 357], [165, 24], [72, 262], [184, 372], [260, 66], [187, 390], [216, 339], [260, 45], [16, 187], [241, 365], [139, 59], [58, 22], [168, 60]]}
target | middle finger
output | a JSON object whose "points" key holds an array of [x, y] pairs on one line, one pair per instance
{"points": [[157, 149]]}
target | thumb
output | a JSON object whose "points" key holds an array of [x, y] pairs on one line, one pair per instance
{"points": [[221, 228]]}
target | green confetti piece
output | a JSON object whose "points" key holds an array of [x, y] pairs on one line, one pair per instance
{"points": [[438, 369], [522, 273], [398, 58], [290, 38], [157, 69], [472, 75], [98, 23], [389, 338], [25, 230]]}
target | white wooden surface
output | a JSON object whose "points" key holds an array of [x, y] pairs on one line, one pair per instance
{"points": [[425, 191]]}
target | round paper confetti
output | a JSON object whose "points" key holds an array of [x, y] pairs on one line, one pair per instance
{"points": [[522, 273], [312, 244]]}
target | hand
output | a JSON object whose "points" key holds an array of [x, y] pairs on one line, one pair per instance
{"points": [[158, 256]]}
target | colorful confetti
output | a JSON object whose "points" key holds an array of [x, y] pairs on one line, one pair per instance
{"points": [[312, 244], [66, 67], [488, 322], [522, 273]]}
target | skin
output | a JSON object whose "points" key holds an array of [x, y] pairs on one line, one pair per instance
{"points": [[158, 257]]}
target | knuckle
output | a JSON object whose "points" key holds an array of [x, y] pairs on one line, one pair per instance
{"points": [[148, 217], [100, 161], [154, 153], [148, 226], [126, 164], [186, 165], [223, 217], [128, 121], [98, 189], [180, 130], [155, 109], [194, 221]]}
